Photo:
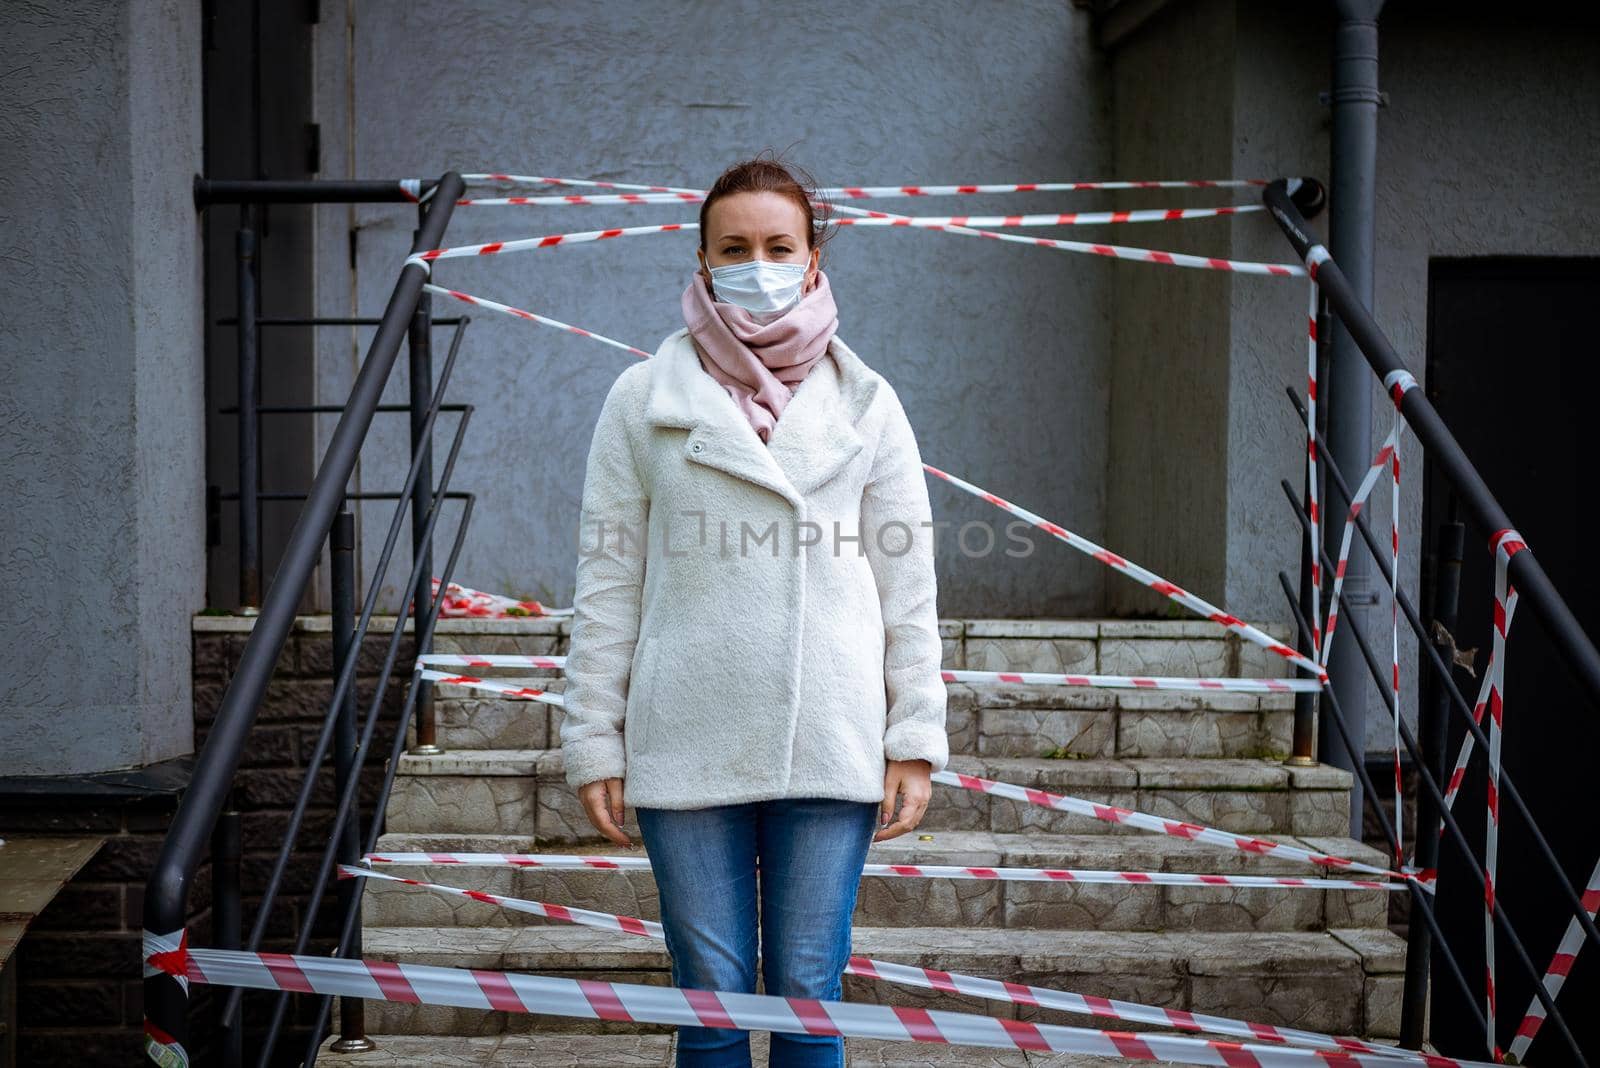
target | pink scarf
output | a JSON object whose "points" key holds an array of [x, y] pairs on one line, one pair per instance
{"points": [[760, 364]]}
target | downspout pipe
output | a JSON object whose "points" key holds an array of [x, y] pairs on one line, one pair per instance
{"points": [[1354, 99]]}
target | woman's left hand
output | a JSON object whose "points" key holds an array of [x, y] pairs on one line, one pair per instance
{"points": [[910, 778]]}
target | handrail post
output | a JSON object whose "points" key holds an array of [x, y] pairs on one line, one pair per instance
{"points": [[227, 918], [420, 346], [167, 892], [248, 280], [1431, 738], [342, 579]]}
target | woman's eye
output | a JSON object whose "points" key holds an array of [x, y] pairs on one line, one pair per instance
{"points": [[733, 250], [782, 250]]}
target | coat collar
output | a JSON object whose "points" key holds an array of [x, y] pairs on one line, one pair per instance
{"points": [[815, 437]]}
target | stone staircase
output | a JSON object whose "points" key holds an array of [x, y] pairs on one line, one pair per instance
{"points": [[1321, 960]]}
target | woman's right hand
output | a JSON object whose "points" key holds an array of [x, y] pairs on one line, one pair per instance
{"points": [[602, 801]]}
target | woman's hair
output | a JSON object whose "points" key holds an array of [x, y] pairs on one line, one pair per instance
{"points": [[767, 173]]}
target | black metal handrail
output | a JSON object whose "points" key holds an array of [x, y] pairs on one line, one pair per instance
{"points": [[1525, 572], [167, 892]]}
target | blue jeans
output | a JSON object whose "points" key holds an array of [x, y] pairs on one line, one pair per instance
{"points": [[811, 852]]}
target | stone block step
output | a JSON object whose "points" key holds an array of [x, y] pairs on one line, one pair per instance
{"points": [[1343, 982], [560, 1050], [522, 792], [982, 719], [905, 902]]}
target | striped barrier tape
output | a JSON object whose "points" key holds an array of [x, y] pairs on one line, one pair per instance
{"points": [[1121, 252], [1087, 876], [1074, 218], [946, 982], [1556, 975], [160, 953], [413, 186], [592, 999], [1026, 678], [1458, 773], [1071, 218], [1139, 574], [1505, 544], [1193, 832], [461, 601], [532, 317], [1397, 383], [1358, 502], [1313, 483], [505, 688]]}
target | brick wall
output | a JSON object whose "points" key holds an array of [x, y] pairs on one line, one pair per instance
{"points": [[77, 970], [79, 990]]}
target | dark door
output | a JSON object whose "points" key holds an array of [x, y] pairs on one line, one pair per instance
{"points": [[1513, 367]]}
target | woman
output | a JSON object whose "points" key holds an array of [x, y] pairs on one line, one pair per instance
{"points": [[755, 651]]}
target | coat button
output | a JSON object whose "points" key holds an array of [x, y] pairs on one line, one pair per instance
{"points": [[697, 446]]}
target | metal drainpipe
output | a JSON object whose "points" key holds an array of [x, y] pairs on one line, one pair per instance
{"points": [[1354, 99]]}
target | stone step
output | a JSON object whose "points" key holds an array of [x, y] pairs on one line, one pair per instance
{"points": [[982, 719], [520, 792], [1105, 646], [905, 902], [562, 1050], [1340, 981]]}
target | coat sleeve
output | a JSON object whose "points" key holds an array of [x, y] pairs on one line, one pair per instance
{"points": [[612, 540], [895, 518]]}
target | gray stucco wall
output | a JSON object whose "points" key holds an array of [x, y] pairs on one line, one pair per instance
{"points": [[1001, 354], [100, 419], [1171, 332]]}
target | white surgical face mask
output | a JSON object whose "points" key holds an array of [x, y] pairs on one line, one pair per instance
{"points": [[760, 287]]}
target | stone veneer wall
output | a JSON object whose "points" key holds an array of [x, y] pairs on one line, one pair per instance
{"points": [[274, 767]]}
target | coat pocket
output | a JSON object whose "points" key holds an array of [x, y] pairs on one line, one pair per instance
{"points": [[640, 693]]}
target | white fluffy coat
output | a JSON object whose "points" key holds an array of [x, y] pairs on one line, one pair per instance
{"points": [[702, 673]]}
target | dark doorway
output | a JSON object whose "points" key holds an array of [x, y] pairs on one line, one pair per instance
{"points": [[1513, 368], [258, 109]]}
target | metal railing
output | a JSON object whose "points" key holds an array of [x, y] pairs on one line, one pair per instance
{"points": [[205, 815], [1441, 695]]}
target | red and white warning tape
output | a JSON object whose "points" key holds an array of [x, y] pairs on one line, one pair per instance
{"points": [[634, 1003], [1458, 773], [1121, 252], [461, 601], [1193, 832], [1313, 483], [1071, 218], [507, 309], [1560, 967], [1398, 383], [413, 186], [1139, 574], [1027, 678], [933, 979], [1380, 464], [1505, 544], [1088, 876], [507, 688]]}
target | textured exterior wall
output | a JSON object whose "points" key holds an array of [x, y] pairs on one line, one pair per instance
{"points": [[1001, 354], [1171, 333], [100, 418]]}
